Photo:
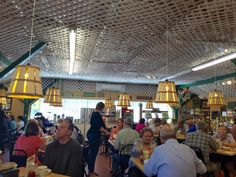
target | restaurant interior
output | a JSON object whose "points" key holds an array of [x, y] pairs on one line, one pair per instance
{"points": [[168, 59]]}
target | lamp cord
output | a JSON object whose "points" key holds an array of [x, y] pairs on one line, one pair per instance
{"points": [[215, 68], [167, 44], [32, 27]]}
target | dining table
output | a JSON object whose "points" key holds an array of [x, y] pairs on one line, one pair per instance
{"points": [[226, 151], [23, 171], [224, 155]]}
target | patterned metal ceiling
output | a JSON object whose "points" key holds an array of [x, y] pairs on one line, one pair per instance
{"points": [[122, 40]]}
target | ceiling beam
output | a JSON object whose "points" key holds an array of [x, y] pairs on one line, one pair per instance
{"points": [[23, 59], [206, 81], [3, 60]]}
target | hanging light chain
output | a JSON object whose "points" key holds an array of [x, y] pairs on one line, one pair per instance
{"points": [[167, 44], [32, 27]]}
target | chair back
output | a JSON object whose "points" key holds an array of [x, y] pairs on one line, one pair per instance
{"points": [[124, 154], [198, 152], [20, 158], [80, 137]]}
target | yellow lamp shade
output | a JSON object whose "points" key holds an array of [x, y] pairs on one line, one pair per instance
{"points": [[216, 98], [53, 96], [124, 100], [25, 83], [166, 93], [3, 101], [108, 103], [149, 105]]}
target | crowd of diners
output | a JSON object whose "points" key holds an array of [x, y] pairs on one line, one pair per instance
{"points": [[155, 144]]}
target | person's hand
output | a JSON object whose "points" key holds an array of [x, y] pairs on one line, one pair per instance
{"points": [[142, 158], [108, 133]]}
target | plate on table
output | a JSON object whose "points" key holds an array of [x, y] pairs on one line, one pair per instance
{"points": [[7, 166], [226, 147], [49, 171]]}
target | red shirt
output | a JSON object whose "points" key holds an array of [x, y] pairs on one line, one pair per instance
{"points": [[139, 127], [29, 144]]}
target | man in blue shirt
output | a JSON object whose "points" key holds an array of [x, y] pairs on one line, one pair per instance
{"points": [[172, 159], [191, 126]]}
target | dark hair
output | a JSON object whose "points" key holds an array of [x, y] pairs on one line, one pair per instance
{"points": [[120, 119], [157, 120], [12, 117], [2, 115], [71, 125], [20, 117], [146, 129], [31, 129], [142, 121], [100, 106]]}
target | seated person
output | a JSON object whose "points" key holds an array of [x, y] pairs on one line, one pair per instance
{"points": [[191, 126], [223, 136], [12, 123], [140, 125], [30, 142], [126, 136], [74, 134], [142, 149], [3, 129], [115, 130], [206, 143], [172, 159], [155, 126], [20, 124], [179, 127], [64, 155]]}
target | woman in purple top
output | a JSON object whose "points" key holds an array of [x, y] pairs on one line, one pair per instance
{"points": [[140, 125]]}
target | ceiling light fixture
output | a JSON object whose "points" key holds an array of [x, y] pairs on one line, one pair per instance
{"points": [[229, 82], [216, 97], [166, 91], [72, 38], [124, 100], [149, 104], [215, 62], [108, 103], [26, 81], [53, 96]]}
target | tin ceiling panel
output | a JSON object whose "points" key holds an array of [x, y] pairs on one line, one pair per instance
{"points": [[139, 41]]}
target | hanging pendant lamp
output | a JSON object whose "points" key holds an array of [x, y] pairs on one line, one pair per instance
{"points": [[26, 83], [166, 93], [53, 96], [108, 103], [216, 98], [149, 105], [56, 104], [124, 100], [3, 98]]}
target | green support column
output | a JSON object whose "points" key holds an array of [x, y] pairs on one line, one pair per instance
{"points": [[27, 103]]}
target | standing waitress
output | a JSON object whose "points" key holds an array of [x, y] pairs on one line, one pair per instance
{"points": [[97, 127]]}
